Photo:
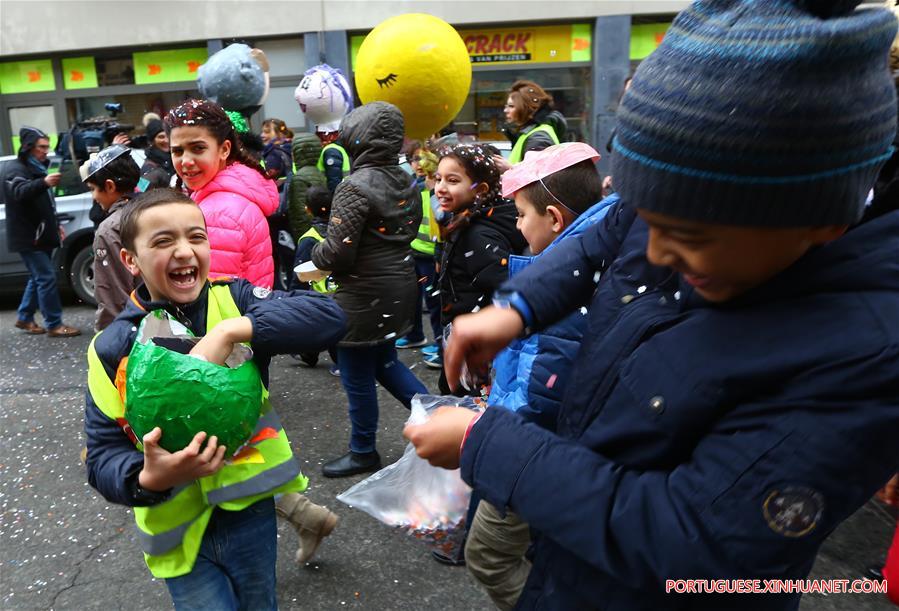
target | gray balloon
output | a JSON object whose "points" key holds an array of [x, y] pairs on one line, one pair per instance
{"points": [[232, 78]]}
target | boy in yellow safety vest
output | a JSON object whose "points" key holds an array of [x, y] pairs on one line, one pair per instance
{"points": [[318, 205], [425, 255], [205, 516]]}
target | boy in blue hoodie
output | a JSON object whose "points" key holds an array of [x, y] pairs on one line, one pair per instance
{"points": [[555, 192], [735, 395]]}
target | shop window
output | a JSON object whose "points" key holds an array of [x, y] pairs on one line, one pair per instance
{"points": [[281, 104], [41, 117], [285, 57], [482, 115], [115, 70]]}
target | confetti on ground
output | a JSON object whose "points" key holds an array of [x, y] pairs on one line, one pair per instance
{"points": [[390, 336]]}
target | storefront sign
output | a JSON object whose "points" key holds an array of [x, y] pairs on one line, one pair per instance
{"points": [[79, 72], [525, 45], [153, 67], [538, 44], [27, 76], [645, 38]]}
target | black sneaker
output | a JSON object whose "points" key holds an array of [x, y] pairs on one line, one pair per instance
{"points": [[352, 463]]}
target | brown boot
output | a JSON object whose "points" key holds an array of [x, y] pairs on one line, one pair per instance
{"points": [[312, 522]]}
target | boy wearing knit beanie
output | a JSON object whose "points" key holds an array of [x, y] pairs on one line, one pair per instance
{"points": [[735, 396]]}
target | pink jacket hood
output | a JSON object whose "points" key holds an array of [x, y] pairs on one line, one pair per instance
{"points": [[235, 204]]}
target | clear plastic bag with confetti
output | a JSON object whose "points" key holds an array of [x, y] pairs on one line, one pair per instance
{"points": [[428, 503]]}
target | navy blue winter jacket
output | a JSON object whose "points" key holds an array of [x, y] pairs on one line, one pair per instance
{"points": [[699, 441], [530, 375], [283, 323]]}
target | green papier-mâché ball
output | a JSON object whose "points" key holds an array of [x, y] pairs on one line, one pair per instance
{"points": [[184, 395]]}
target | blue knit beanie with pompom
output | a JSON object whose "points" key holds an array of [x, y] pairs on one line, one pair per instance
{"points": [[760, 113]]}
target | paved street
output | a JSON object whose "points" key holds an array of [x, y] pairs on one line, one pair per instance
{"points": [[63, 547]]}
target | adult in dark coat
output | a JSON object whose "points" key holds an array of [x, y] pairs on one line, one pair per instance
{"points": [[33, 231], [374, 217], [157, 168]]}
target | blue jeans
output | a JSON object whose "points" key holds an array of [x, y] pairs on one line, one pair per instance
{"points": [[426, 271], [359, 368], [41, 290], [236, 565]]}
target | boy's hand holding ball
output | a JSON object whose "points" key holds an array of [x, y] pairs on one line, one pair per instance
{"points": [[218, 343], [163, 469]]}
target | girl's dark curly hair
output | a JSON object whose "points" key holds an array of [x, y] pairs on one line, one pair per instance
{"points": [[477, 161], [204, 113]]}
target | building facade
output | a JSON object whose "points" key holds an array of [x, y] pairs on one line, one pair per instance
{"points": [[62, 61]]}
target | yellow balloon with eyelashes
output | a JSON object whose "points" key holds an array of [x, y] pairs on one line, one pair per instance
{"points": [[418, 63]]}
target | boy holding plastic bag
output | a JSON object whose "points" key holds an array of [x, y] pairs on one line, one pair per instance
{"points": [[205, 512]]}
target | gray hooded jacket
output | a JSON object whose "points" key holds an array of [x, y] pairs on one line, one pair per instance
{"points": [[374, 217]]}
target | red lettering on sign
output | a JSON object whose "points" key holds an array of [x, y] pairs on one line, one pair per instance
{"points": [[496, 44], [521, 44], [509, 43], [34, 76], [481, 45], [76, 76], [154, 69], [469, 44], [192, 66]]}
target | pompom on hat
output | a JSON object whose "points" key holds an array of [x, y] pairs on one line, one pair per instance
{"points": [[760, 113], [537, 165]]}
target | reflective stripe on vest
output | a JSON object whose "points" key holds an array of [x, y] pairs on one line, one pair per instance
{"points": [[344, 167], [424, 241], [518, 150], [325, 286], [170, 533]]}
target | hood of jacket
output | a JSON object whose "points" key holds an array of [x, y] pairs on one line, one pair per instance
{"points": [[245, 181], [554, 119], [373, 135], [306, 150]]}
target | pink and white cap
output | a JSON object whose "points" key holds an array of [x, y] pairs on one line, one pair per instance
{"points": [[537, 165]]}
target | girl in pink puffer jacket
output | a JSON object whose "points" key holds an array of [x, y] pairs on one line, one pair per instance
{"points": [[230, 188]]}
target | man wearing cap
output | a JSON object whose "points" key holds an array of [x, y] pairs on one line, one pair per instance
{"points": [[33, 231]]}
